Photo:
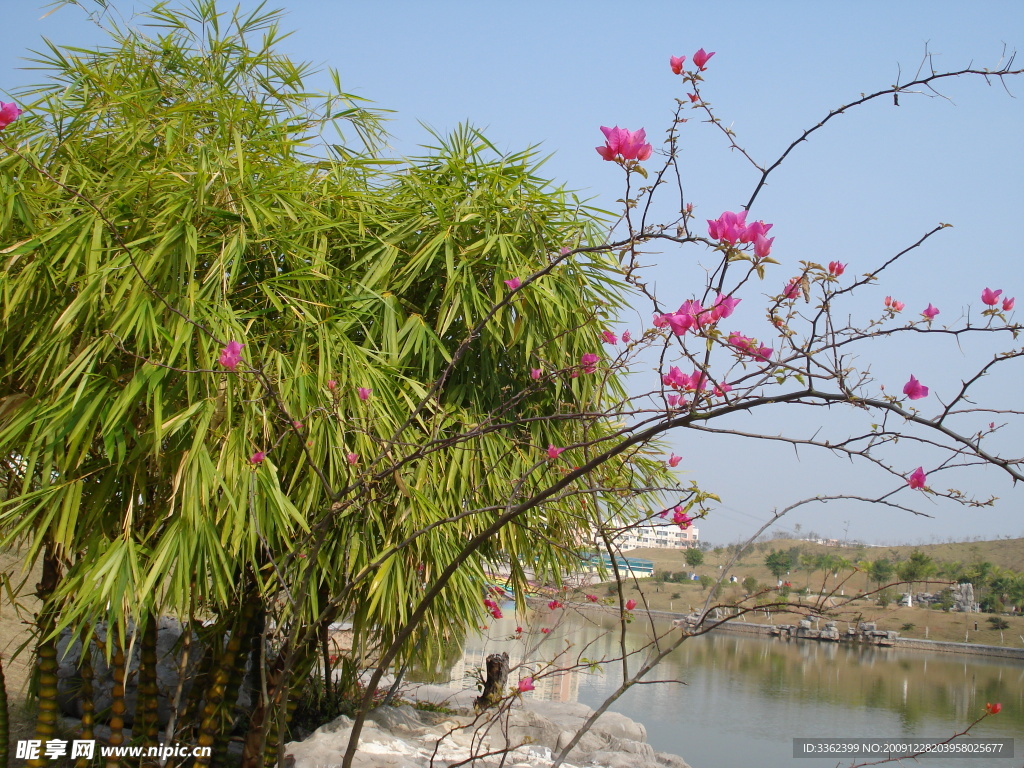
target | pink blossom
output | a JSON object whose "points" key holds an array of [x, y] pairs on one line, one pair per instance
{"points": [[519, 630], [545, 630], [554, 605], [694, 98], [835, 268], [620, 142], [729, 227], [990, 297], [700, 58], [514, 283], [721, 389], [626, 337], [792, 289], [588, 362], [917, 478], [364, 393], [676, 62], [8, 114], [258, 457], [930, 312], [896, 306], [724, 307], [914, 389], [593, 598], [630, 604], [673, 401], [297, 424], [332, 385], [553, 452], [535, 373], [673, 460], [660, 321], [352, 458], [763, 246], [526, 684], [231, 355], [682, 519], [609, 338], [1008, 304]]}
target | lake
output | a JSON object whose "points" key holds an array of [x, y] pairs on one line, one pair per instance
{"points": [[746, 698]]}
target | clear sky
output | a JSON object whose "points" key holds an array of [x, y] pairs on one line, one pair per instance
{"points": [[866, 187]]}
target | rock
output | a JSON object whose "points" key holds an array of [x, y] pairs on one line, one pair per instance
{"points": [[532, 732]]}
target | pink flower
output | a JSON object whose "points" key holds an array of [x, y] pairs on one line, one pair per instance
{"points": [[609, 337], [364, 393], [896, 306], [835, 268], [588, 362], [930, 312], [526, 684], [1008, 304], [694, 98], [914, 389], [917, 478], [554, 605], [682, 519], [993, 709], [660, 321], [676, 62], [593, 598], [729, 227], [792, 289], [297, 424], [332, 385], [231, 355], [700, 58], [626, 337], [535, 373], [628, 145], [673, 460], [519, 630], [8, 114], [724, 307], [991, 297], [553, 452], [763, 246], [258, 457], [673, 401], [545, 630], [352, 458], [630, 604], [514, 283]]}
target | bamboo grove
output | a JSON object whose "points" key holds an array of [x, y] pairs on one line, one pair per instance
{"points": [[180, 188]]}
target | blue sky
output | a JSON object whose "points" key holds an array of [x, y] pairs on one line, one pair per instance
{"points": [[864, 188]]}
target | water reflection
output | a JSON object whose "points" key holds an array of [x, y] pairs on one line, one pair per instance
{"points": [[768, 690]]}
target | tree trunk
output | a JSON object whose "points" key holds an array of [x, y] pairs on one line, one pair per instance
{"points": [[147, 719], [46, 652], [497, 681]]}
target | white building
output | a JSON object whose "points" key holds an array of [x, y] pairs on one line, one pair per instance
{"points": [[657, 535]]}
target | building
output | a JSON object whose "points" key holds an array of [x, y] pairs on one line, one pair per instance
{"points": [[657, 535]]}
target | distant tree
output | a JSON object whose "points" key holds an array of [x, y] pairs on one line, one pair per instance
{"points": [[917, 567], [694, 557], [880, 570], [750, 585], [705, 581], [778, 563]]}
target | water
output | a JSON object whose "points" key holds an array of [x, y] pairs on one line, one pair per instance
{"points": [[745, 698]]}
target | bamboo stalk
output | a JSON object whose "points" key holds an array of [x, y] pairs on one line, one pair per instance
{"points": [[147, 718], [85, 697]]}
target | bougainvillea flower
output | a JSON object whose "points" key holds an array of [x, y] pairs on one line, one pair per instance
{"points": [[231, 355], [526, 684], [8, 114], [682, 519], [535, 373], [994, 709], [917, 478], [792, 289], [332, 385], [258, 457], [554, 605], [673, 401], [676, 62], [352, 458], [700, 58], [724, 307], [519, 630], [626, 337], [694, 98], [609, 338], [763, 246], [914, 389], [630, 604], [627, 144], [660, 321], [514, 283], [835, 268], [990, 297], [545, 630], [364, 393], [1008, 304], [729, 227], [593, 598], [588, 362], [553, 452], [930, 312], [673, 460]]}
